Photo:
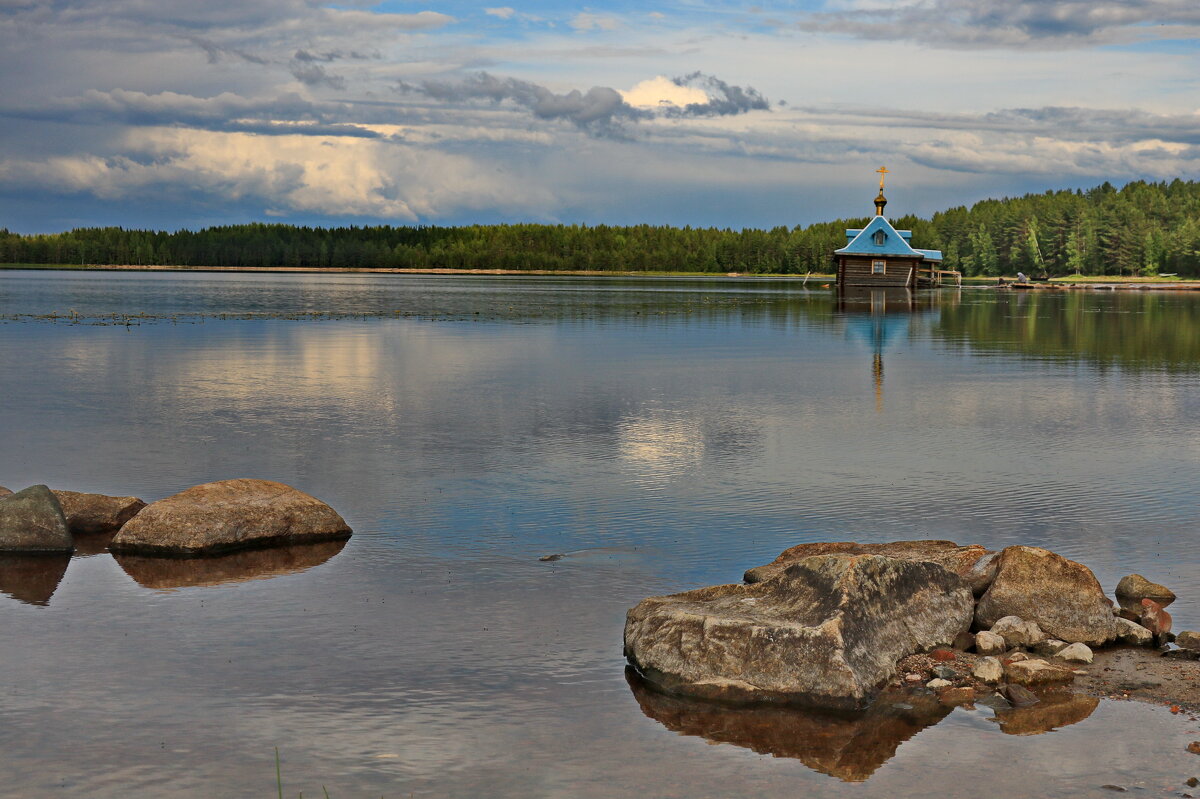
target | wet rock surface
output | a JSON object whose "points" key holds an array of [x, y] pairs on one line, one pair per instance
{"points": [[228, 515], [32, 521], [96, 514], [1137, 587], [1061, 596], [828, 630], [949, 555]]}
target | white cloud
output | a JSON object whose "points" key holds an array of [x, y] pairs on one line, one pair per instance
{"points": [[587, 21], [661, 90], [503, 12]]}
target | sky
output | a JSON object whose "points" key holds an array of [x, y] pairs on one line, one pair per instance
{"points": [[181, 114]]}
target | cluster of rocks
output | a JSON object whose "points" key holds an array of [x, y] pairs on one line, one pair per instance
{"points": [[830, 624], [207, 519]]}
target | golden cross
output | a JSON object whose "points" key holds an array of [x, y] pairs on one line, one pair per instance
{"points": [[883, 170]]}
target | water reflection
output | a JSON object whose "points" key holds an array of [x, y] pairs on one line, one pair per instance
{"points": [[257, 564], [877, 316], [32, 579], [1055, 710], [849, 746]]}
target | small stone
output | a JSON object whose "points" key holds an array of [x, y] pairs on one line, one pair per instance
{"points": [[936, 683], [988, 670], [1050, 647], [96, 513], [1192, 782], [946, 673], [988, 643], [982, 573], [1016, 657], [1020, 696], [1037, 672], [1017, 632], [942, 655], [1114, 788], [1135, 586], [1188, 639], [1076, 653], [1130, 632], [1155, 619], [1194, 747], [913, 677], [552, 558]]}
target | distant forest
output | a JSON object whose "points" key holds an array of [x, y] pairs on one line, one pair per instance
{"points": [[1141, 229]]}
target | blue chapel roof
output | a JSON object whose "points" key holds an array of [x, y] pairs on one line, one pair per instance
{"points": [[894, 241]]}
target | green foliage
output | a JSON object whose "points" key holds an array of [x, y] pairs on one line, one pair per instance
{"points": [[1143, 228]]}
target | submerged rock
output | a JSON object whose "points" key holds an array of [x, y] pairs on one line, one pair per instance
{"points": [[89, 514], [1130, 632], [32, 521], [947, 554], [826, 631], [1061, 596], [1137, 588], [229, 515], [1020, 696], [1017, 632]]}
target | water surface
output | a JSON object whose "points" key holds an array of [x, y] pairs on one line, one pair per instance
{"points": [[660, 434]]}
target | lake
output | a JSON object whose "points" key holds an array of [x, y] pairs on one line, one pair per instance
{"points": [[661, 434]]}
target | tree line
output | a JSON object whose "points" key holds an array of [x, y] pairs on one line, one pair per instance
{"points": [[1141, 229]]}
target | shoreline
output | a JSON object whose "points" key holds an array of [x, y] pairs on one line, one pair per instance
{"points": [[820, 279]]}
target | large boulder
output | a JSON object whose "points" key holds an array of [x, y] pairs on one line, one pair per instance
{"points": [[227, 515], [826, 631], [1061, 596], [32, 521], [96, 513], [1136, 587], [947, 554]]}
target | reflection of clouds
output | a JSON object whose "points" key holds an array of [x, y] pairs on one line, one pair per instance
{"points": [[660, 447]]}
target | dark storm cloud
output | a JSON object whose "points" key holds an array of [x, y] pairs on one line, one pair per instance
{"points": [[724, 99], [600, 110], [312, 74], [288, 113], [1014, 23]]}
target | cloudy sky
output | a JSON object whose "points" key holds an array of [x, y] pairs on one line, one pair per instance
{"points": [[180, 113]]}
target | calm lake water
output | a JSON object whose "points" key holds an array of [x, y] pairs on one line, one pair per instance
{"points": [[662, 434]]}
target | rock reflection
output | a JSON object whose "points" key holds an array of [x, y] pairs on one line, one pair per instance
{"points": [[849, 746], [1053, 711], [32, 579], [255, 564]]}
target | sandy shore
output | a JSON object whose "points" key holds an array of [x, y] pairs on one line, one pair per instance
{"points": [[1144, 675]]}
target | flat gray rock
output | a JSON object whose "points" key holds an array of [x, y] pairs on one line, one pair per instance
{"points": [[229, 515], [827, 631], [32, 521], [958, 559]]}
